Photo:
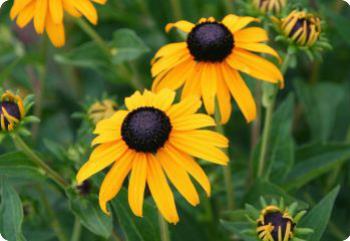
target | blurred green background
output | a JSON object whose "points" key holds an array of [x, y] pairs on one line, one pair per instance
{"points": [[311, 140]]}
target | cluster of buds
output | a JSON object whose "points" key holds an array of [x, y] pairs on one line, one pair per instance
{"points": [[11, 111], [102, 110], [270, 6], [302, 28]]}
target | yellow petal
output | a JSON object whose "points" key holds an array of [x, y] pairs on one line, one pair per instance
{"points": [[252, 34], [18, 6], [103, 156], [56, 10], [181, 25], [163, 99], [192, 85], [191, 122], [224, 98], [208, 82], [168, 62], [26, 15], [179, 177], [114, 179], [187, 106], [260, 48], [170, 49], [198, 148], [191, 166], [160, 190], [86, 8], [41, 9], [112, 124], [204, 136], [235, 23], [240, 93], [55, 32], [135, 101], [137, 183]]}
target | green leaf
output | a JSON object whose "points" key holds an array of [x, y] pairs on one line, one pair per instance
{"points": [[320, 103], [17, 165], [314, 161], [90, 214], [135, 228], [11, 212], [318, 218], [126, 46]]}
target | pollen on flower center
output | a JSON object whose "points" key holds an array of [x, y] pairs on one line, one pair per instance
{"points": [[146, 129], [210, 41], [277, 220]]}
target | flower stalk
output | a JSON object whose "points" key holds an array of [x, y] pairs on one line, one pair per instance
{"points": [[21, 145], [270, 106], [164, 229]]}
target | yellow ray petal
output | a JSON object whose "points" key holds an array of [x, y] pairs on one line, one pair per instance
{"points": [[101, 157], [252, 34], [255, 65], [137, 183], [56, 11], [178, 177], [86, 8], [163, 99], [224, 98], [168, 62], [191, 122], [235, 23], [187, 106], [160, 190], [26, 15], [240, 92], [192, 85], [114, 179], [199, 148], [208, 82], [181, 25], [190, 165], [112, 124], [260, 48], [18, 6], [41, 8], [107, 136], [170, 49], [135, 101], [69, 7], [206, 137], [55, 32]]}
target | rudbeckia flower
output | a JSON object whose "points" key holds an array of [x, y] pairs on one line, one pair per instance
{"points": [[11, 111], [49, 14], [209, 62], [302, 28], [155, 141]]}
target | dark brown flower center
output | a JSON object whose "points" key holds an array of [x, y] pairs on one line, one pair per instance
{"points": [[277, 220], [210, 42], [146, 129], [12, 109]]}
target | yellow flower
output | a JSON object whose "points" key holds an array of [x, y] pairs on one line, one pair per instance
{"points": [[49, 14], [209, 63], [153, 139], [275, 224], [302, 27], [11, 112], [270, 6], [102, 110]]}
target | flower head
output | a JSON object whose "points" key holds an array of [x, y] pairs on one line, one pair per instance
{"points": [[102, 110], [11, 111], [48, 15], [270, 6], [302, 28], [152, 139], [209, 62]]}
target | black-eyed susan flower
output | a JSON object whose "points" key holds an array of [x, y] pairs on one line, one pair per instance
{"points": [[276, 222], [302, 27], [11, 111], [154, 140], [48, 15], [209, 62], [270, 6], [102, 110]]}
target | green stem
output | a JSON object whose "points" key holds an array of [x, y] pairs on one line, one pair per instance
{"points": [[21, 145], [76, 230], [268, 119], [176, 8], [228, 4], [164, 229], [227, 169]]}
